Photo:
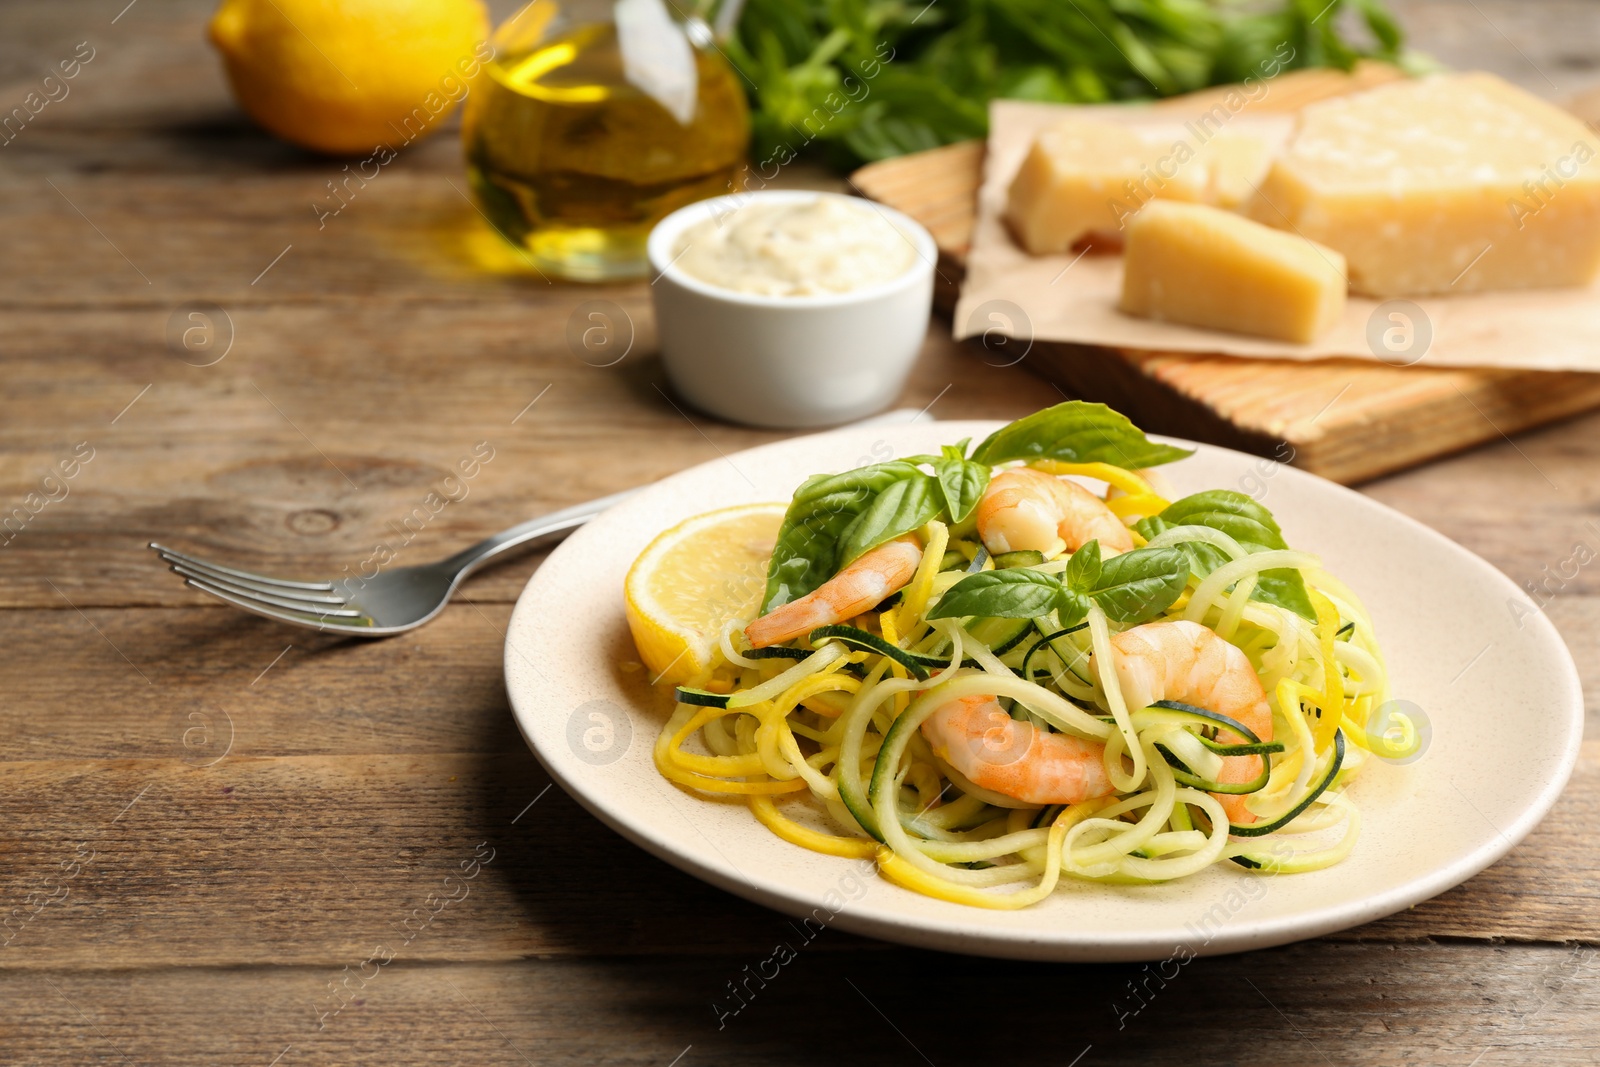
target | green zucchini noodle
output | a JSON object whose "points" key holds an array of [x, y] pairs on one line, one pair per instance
{"points": [[822, 736]]}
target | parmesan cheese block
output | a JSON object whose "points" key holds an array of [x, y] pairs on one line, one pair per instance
{"points": [[1447, 184], [1236, 162], [1203, 266], [1084, 176]]}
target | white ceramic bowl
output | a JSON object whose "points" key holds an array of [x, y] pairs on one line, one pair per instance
{"points": [[788, 361]]}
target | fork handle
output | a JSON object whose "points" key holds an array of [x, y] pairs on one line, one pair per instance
{"points": [[551, 527]]}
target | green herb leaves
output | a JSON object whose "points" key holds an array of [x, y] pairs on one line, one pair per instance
{"points": [[867, 79], [1248, 523], [900, 507], [1083, 569], [1139, 585], [835, 518], [1076, 432], [1131, 588], [1014, 594], [961, 480]]}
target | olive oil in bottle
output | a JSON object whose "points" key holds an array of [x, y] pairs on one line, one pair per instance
{"points": [[593, 122]]}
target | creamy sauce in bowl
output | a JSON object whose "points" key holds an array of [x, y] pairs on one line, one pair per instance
{"points": [[832, 244]]}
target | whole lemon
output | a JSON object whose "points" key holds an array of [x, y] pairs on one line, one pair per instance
{"points": [[343, 76]]}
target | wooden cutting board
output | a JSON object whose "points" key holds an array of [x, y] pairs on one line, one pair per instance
{"points": [[1348, 420]]}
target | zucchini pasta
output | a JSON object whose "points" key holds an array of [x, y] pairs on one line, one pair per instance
{"points": [[994, 669]]}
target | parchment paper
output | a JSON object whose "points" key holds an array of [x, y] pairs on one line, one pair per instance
{"points": [[1074, 298]]}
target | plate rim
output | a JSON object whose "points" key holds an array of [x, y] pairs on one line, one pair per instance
{"points": [[1146, 944]]}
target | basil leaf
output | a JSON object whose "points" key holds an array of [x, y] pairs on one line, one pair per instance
{"points": [[962, 482], [1283, 588], [1012, 594], [1076, 432], [1071, 608], [1137, 586], [807, 550], [1083, 569], [1235, 514], [1247, 522], [899, 508]]}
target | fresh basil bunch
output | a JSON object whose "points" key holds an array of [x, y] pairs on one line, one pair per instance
{"points": [[869, 79], [834, 518]]}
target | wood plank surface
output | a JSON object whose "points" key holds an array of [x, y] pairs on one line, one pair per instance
{"points": [[248, 460], [1348, 420], [209, 823], [1343, 1004], [314, 440]]}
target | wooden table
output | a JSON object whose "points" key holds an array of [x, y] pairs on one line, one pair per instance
{"points": [[208, 821]]}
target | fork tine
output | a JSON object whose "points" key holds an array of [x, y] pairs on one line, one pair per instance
{"points": [[173, 556], [244, 588], [271, 601], [293, 618]]}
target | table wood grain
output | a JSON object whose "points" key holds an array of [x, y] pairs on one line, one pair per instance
{"points": [[222, 841]]}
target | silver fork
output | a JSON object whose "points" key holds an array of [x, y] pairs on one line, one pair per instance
{"points": [[394, 601], [390, 602]]}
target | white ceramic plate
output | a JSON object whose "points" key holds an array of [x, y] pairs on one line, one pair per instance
{"points": [[1444, 617]]}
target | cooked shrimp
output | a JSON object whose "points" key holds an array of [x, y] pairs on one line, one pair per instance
{"points": [[863, 583], [996, 752], [1188, 663], [1024, 508]]}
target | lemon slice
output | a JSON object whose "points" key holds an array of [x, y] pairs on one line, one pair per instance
{"points": [[691, 581]]}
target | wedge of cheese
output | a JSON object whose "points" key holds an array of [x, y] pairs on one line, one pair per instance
{"points": [[1203, 266], [1447, 184], [1085, 176]]}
